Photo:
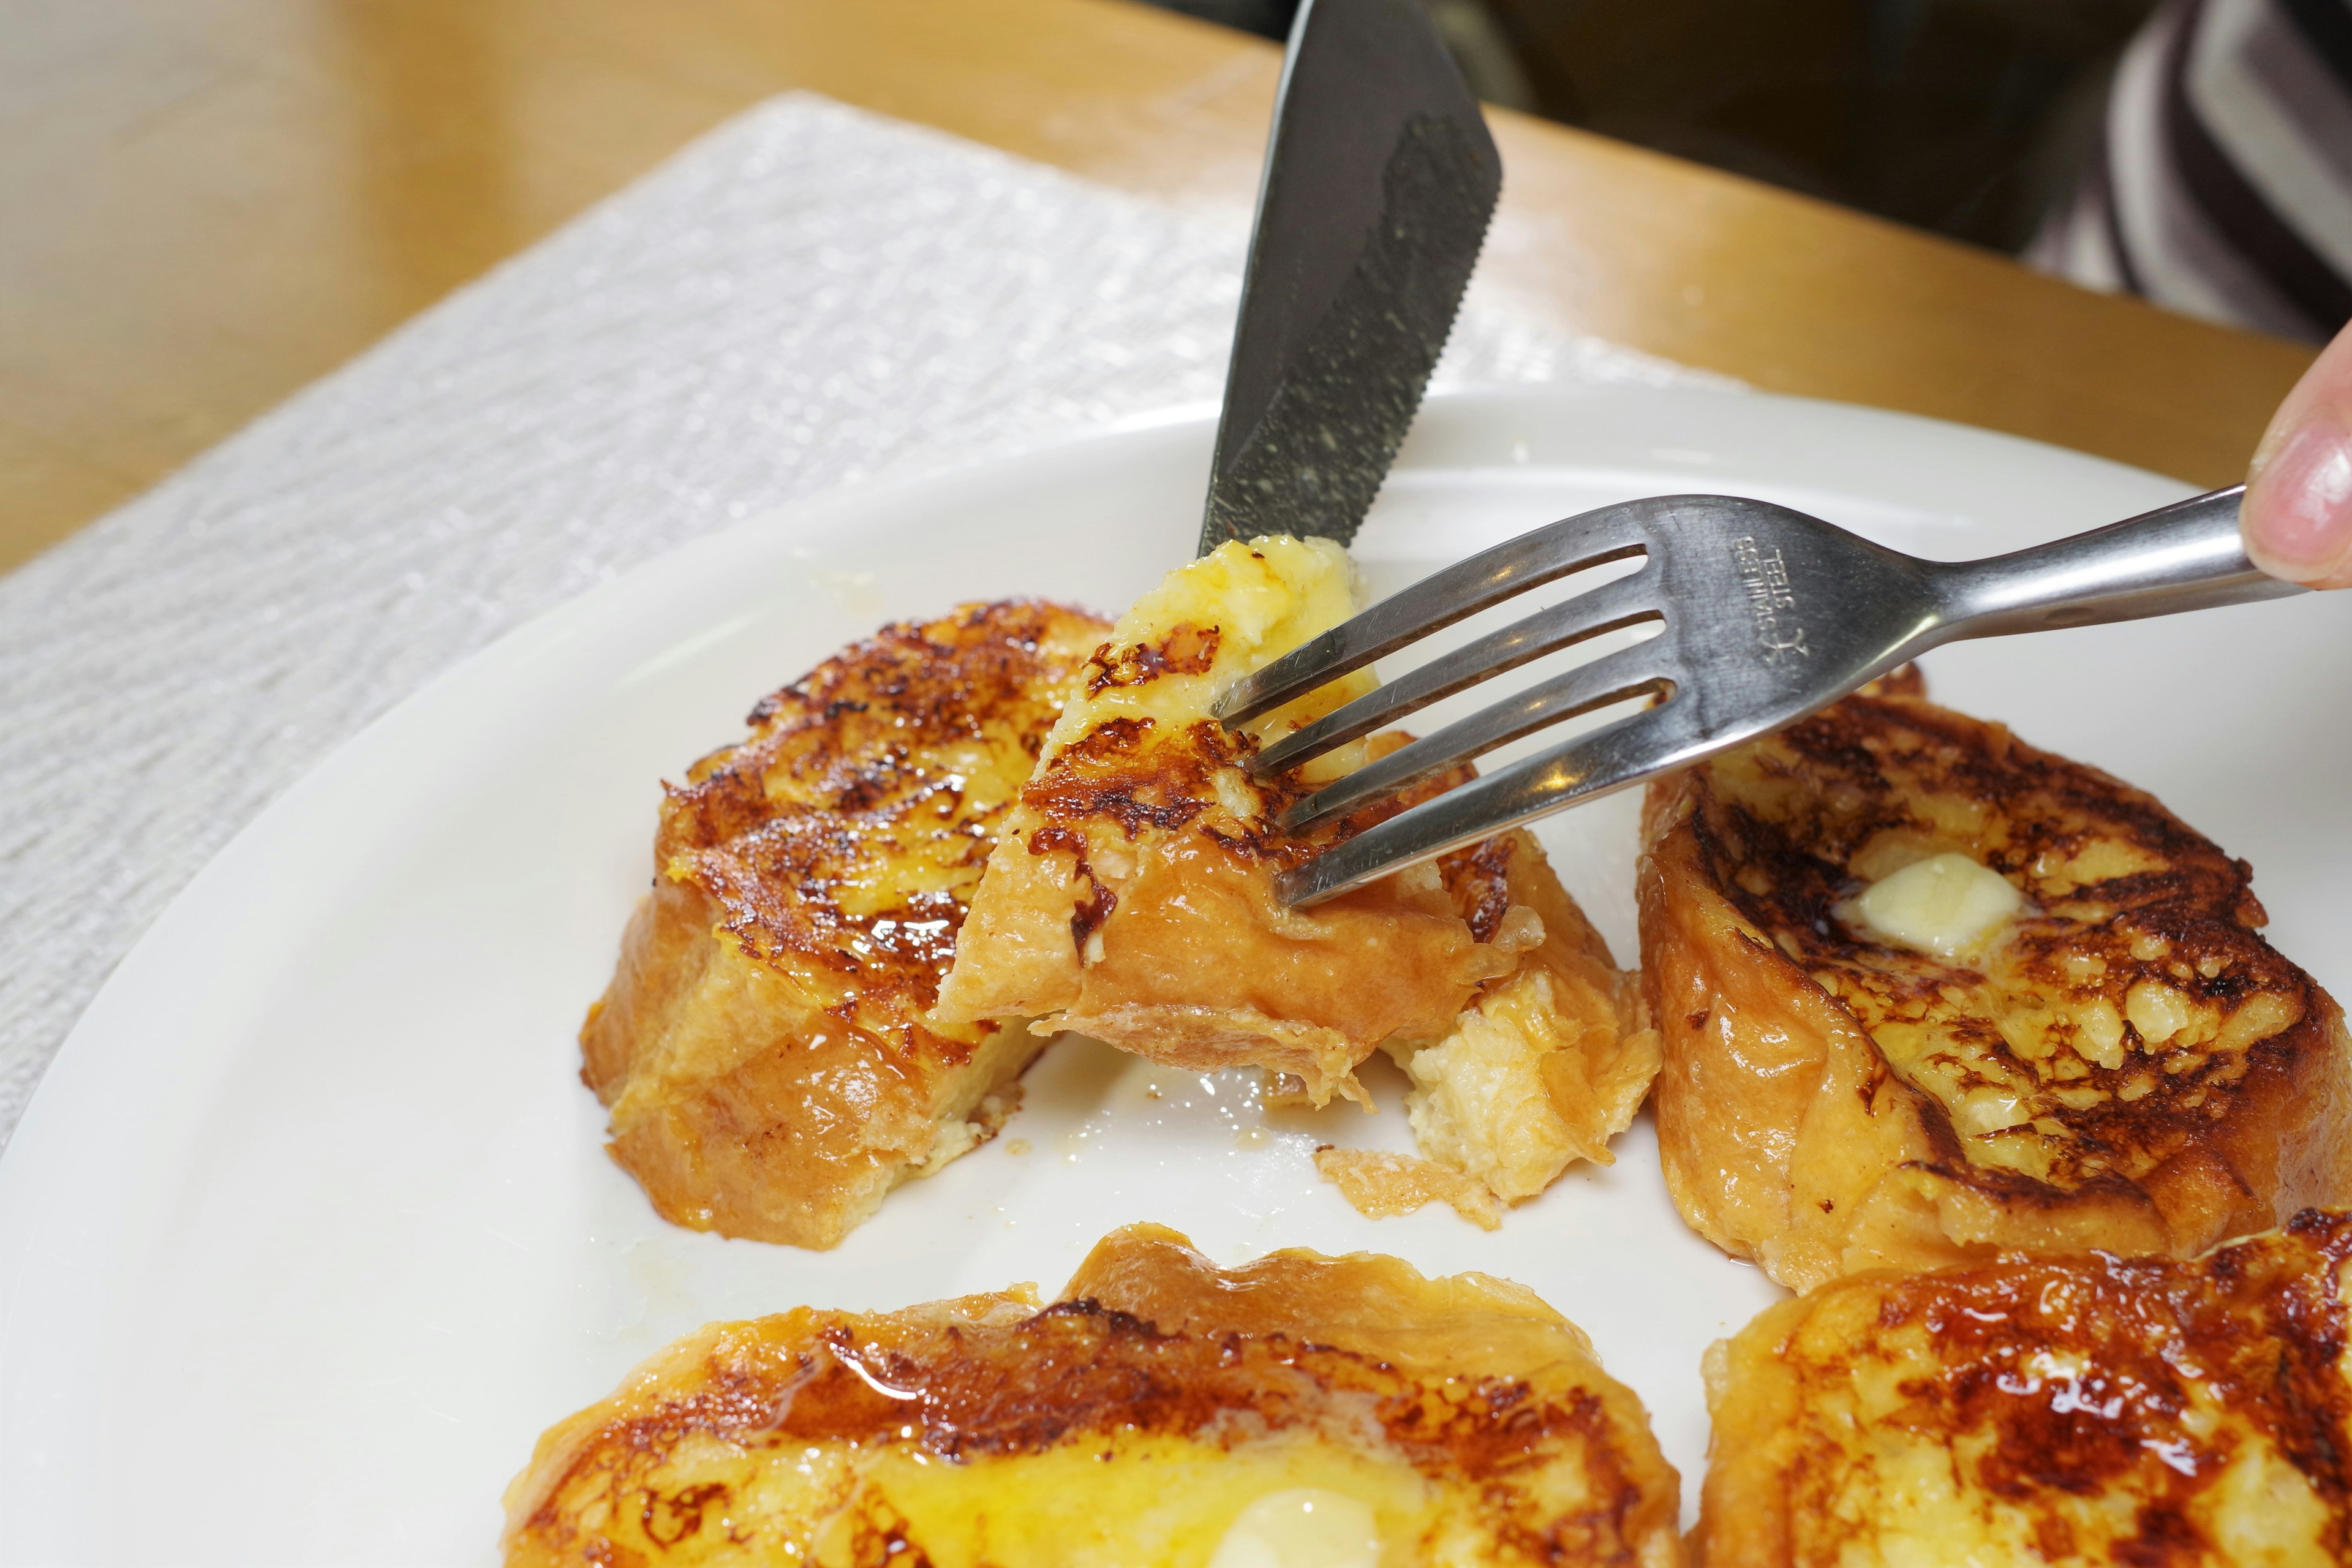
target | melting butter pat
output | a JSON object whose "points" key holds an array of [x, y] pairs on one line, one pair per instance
{"points": [[1301, 1527], [1945, 904]]}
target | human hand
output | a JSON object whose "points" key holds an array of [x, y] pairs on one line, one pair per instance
{"points": [[2297, 516]]}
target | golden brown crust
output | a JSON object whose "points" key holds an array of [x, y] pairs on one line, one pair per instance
{"points": [[2084, 1410], [1132, 897], [788, 1438], [2131, 1067], [1184, 954], [763, 1046]]}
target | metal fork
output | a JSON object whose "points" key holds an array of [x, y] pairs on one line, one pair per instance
{"points": [[1766, 615]]}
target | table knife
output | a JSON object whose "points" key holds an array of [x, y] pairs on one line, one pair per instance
{"points": [[1379, 180]]}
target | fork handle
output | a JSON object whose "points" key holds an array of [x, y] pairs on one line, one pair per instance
{"points": [[2185, 556]]}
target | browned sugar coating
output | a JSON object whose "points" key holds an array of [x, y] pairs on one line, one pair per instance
{"points": [[1183, 953], [764, 1046], [1528, 1450], [2091, 1410], [1133, 896], [2130, 1065]]}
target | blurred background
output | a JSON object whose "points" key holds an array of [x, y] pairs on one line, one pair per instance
{"points": [[1970, 118], [207, 203]]}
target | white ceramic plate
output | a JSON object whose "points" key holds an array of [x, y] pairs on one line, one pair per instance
{"points": [[309, 1231]]}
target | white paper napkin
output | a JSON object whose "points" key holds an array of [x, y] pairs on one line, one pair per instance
{"points": [[807, 295]]}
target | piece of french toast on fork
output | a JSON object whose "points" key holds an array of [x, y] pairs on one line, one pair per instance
{"points": [[1131, 896]]}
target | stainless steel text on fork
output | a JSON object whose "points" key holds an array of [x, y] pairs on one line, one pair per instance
{"points": [[1766, 615]]}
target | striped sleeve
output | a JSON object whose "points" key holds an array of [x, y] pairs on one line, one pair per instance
{"points": [[2222, 187]]}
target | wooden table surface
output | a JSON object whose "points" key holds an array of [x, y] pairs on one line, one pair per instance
{"points": [[204, 204]]}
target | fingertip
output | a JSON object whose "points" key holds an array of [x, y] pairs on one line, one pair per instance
{"points": [[2297, 515]]}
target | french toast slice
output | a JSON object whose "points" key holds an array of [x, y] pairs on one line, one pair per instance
{"points": [[1163, 1413], [2074, 1411], [763, 1046], [1131, 896], [1927, 993]]}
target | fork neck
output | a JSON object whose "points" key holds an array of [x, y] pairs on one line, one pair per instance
{"points": [[2186, 556]]}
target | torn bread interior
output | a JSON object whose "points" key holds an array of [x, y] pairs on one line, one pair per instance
{"points": [[1300, 1409], [1131, 898], [1928, 992], [1546, 1064], [764, 1046], [2045, 1410]]}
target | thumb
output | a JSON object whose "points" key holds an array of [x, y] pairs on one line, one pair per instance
{"points": [[2297, 515]]}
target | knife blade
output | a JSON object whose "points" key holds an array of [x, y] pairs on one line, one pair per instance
{"points": [[1379, 180]]}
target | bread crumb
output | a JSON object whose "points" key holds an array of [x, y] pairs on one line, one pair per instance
{"points": [[1382, 1184]]}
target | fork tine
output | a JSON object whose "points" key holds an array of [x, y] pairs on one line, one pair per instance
{"points": [[1610, 758], [1604, 609], [1465, 588], [1607, 679]]}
